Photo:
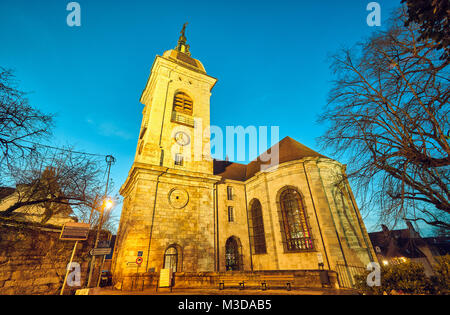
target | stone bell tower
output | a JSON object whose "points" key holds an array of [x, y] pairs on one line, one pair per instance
{"points": [[168, 210]]}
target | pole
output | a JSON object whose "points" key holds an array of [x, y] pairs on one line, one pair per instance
{"points": [[109, 160], [101, 266], [67, 271]]}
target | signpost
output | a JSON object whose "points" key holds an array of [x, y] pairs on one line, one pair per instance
{"points": [[73, 232], [100, 251]]}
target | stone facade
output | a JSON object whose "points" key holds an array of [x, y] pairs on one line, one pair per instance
{"points": [[184, 216]]}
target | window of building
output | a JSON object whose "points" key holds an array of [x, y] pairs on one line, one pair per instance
{"points": [[144, 130], [183, 103], [179, 159], [257, 228], [233, 257], [141, 147], [230, 214], [161, 159], [295, 223], [230, 193], [171, 259]]}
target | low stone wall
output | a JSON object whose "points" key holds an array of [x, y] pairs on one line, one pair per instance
{"points": [[33, 260], [210, 280]]}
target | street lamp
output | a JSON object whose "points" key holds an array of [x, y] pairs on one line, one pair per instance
{"points": [[106, 205]]}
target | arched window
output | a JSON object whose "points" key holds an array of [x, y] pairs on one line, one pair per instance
{"points": [[232, 255], [257, 228], [183, 103], [295, 223], [171, 259]]}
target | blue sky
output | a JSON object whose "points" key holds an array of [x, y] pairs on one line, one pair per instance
{"points": [[271, 59]]}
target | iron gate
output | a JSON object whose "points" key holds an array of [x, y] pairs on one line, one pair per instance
{"points": [[347, 273]]}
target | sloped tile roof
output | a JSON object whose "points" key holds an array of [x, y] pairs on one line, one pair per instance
{"points": [[288, 150]]}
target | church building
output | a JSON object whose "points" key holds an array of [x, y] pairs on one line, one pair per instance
{"points": [[186, 212]]}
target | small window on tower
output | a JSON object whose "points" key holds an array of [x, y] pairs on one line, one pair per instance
{"points": [[178, 159], [230, 214], [230, 193], [183, 103]]}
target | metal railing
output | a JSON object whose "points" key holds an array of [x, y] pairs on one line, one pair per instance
{"points": [[301, 243], [182, 119], [347, 273]]}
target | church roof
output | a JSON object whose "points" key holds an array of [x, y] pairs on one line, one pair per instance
{"points": [[184, 60], [230, 170], [288, 150], [6, 191]]}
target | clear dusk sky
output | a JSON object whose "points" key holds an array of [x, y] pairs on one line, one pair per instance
{"points": [[271, 59]]}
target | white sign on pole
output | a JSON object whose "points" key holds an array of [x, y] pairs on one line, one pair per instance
{"points": [[165, 278]]}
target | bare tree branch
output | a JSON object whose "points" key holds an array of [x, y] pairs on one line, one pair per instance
{"points": [[389, 115]]}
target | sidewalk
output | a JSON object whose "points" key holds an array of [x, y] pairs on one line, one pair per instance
{"points": [[109, 291]]}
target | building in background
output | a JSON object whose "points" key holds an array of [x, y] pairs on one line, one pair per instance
{"points": [[397, 246], [52, 213]]}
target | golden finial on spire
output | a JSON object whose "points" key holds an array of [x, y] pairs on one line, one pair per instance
{"points": [[182, 46]]}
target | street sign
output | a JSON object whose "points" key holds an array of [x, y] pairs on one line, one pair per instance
{"points": [[104, 244], [139, 260], [100, 251], [75, 232]]}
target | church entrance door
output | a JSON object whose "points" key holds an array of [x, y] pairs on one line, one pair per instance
{"points": [[232, 255], [171, 259]]}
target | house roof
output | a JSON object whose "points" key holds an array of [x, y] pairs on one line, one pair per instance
{"points": [[6, 191], [398, 243], [288, 150]]}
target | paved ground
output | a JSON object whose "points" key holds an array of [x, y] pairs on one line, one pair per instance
{"points": [[109, 291]]}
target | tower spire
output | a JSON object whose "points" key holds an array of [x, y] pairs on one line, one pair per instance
{"points": [[182, 46]]}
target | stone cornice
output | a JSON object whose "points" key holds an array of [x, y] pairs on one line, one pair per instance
{"points": [[138, 169]]}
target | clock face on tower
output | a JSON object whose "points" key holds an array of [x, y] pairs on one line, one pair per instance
{"points": [[178, 198], [182, 138]]}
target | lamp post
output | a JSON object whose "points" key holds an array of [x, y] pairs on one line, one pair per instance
{"points": [[107, 203]]}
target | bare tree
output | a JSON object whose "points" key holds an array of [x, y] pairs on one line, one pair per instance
{"points": [[433, 17], [388, 114], [56, 180], [19, 121]]}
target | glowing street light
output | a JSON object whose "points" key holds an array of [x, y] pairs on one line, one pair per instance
{"points": [[108, 204]]}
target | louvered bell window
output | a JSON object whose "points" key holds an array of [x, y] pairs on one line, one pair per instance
{"points": [[183, 103]]}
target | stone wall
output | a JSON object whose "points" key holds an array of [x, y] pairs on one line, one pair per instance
{"points": [[33, 260]]}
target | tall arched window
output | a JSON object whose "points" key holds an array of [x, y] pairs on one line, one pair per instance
{"points": [[183, 103], [295, 223], [171, 259], [257, 228]]}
